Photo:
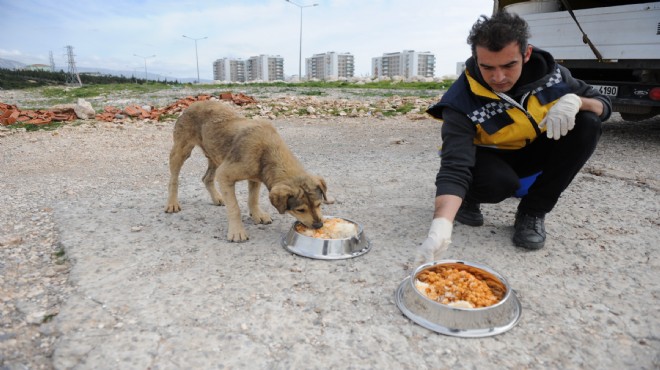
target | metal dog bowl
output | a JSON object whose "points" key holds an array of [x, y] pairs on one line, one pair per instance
{"points": [[455, 321], [326, 249]]}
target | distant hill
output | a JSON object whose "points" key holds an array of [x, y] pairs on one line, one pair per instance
{"points": [[137, 74], [11, 64]]}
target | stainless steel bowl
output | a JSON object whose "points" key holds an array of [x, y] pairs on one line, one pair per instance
{"points": [[326, 249], [460, 322]]}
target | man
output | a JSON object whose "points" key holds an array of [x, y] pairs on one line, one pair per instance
{"points": [[512, 114]]}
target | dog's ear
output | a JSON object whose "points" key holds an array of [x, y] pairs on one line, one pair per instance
{"points": [[279, 197], [321, 187]]}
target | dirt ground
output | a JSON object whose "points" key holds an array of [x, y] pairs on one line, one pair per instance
{"points": [[94, 274]]}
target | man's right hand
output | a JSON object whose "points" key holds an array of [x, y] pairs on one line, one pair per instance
{"points": [[436, 243]]}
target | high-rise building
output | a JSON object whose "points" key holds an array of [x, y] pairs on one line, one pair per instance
{"points": [[460, 67], [226, 69], [257, 68], [406, 64], [330, 65], [265, 68]]}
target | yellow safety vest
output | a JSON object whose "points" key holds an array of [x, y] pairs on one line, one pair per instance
{"points": [[500, 121]]}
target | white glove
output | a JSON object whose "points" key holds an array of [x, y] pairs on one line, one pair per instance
{"points": [[437, 242], [561, 117]]}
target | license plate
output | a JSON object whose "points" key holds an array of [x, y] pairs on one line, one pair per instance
{"points": [[606, 89]]}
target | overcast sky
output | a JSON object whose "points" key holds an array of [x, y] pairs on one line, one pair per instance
{"points": [[108, 33]]}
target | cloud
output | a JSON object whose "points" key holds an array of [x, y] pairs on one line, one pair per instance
{"points": [[108, 34]]}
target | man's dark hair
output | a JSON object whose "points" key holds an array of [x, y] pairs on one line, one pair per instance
{"points": [[498, 31]]}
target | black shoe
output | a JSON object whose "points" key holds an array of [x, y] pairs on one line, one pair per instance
{"points": [[469, 214], [529, 231]]}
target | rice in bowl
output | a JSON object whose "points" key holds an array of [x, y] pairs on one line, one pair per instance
{"points": [[333, 228]]}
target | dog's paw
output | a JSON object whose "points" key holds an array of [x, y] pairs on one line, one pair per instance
{"points": [[172, 208], [261, 218], [218, 202], [237, 234]]}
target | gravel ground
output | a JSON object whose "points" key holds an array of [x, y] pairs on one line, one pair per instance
{"points": [[93, 273]]}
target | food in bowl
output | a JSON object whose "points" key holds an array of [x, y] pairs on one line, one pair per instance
{"points": [[333, 228], [455, 287]]}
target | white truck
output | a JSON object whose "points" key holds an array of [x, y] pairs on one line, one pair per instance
{"points": [[613, 45]]}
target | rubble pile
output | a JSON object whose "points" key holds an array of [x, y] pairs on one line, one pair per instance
{"points": [[314, 107], [111, 113], [11, 114], [307, 106]]}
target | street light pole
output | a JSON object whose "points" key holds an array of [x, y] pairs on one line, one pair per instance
{"points": [[196, 56], [145, 64], [300, 46]]}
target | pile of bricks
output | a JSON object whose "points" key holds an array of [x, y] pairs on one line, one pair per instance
{"points": [[238, 99], [10, 114]]}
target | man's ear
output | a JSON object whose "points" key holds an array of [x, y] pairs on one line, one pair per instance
{"points": [[279, 197], [528, 53]]}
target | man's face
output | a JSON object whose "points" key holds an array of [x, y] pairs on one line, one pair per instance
{"points": [[501, 69]]}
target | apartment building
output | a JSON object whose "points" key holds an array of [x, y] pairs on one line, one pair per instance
{"points": [[330, 66], [460, 67], [406, 64], [256, 68], [226, 69], [265, 68]]}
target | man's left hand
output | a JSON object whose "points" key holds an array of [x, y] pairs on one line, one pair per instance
{"points": [[561, 117]]}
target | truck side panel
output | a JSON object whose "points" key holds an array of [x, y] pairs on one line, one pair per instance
{"points": [[626, 36], [619, 32]]}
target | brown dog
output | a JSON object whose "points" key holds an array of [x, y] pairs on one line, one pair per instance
{"points": [[238, 149]]}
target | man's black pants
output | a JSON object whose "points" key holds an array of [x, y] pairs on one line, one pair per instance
{"points": [[497, 173]]}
